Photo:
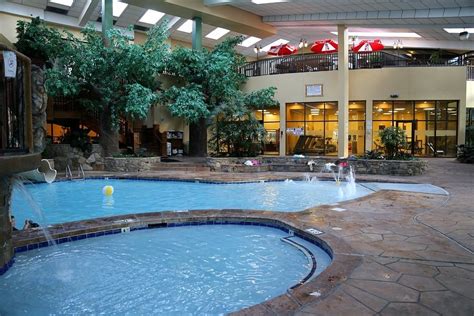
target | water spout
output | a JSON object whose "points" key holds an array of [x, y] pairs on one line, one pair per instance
{"points": [[19, 187]]}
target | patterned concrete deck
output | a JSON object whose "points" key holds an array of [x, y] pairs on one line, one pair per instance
{"points": [[415, 250]]}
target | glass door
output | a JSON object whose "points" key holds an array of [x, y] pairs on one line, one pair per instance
{"points": [[409, 128]]}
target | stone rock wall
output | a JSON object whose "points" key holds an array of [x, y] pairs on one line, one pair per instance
{"points": [[6, 247], [38, 107], [131, 164], [64, 154], [293, 164]]}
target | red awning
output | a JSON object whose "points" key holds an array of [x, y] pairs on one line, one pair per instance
{"points": [[282, 50], [326, 46], [367, 46]]}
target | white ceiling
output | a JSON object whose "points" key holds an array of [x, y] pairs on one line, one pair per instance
{"points": [[315, 19]]}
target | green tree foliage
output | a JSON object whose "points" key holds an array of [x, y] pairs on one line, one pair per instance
{"points": [[208, 87], [393, 139], [117, 80], [37, 40]]}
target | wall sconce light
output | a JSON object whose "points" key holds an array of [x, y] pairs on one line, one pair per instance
{"points": [[398, 44], [303, 43]]}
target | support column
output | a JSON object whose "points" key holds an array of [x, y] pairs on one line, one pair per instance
{"points": [[197, 33], [343, 82], [107, 18]]}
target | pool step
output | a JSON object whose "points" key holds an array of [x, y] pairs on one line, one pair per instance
{"points": [[180, 166]]}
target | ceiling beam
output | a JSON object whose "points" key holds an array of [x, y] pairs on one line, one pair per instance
{"points": [[87, 11], [228, 17], [342, 17]]}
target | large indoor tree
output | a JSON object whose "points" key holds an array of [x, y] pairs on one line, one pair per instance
{"points": [[115, 80], [207, 87]]}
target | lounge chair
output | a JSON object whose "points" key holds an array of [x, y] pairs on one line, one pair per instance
{"points": [[435, 152]]}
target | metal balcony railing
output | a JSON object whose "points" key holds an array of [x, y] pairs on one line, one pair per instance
{"points": [[327, 62], [14, 107]]}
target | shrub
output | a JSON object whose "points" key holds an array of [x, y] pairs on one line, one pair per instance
{"points": [[465, 154], [393, 139]]}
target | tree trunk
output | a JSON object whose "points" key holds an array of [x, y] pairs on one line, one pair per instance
{"points": [[38, 107], [109, 136], [198, 138]]}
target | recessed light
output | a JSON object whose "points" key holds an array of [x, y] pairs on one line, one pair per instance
{"points": [[275, 43], [66, 3], [151, 17], [381, 34], [186, 27], [118, 8], [249, 41], [217, 33]]}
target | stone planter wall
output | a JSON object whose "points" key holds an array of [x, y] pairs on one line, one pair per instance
{"points": [[131, 164], [64, 154], [292, 164]]}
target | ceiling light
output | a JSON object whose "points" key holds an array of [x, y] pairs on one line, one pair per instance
{"points": [[66, 3], [249, 41], [217, 33], [381, 34], [118, 8], [399, 109], [186, 27], [151, 17], [429, 109], [275, 43], [459, 30], [267, 1]]}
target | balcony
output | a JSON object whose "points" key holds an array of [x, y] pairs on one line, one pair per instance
{"points": [[328, 62]]}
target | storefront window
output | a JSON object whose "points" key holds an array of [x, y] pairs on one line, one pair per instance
{"points": [[317, 132], [430, 126], [356, 138], [270, 118]]}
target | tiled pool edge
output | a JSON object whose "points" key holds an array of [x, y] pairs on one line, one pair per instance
{"points": [[325, 282]]}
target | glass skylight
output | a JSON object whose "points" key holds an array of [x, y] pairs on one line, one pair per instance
{"points": [[275, 43], [217, 33], [459, 30], [186, 27], [66, 3], [249, 41], [118, 8], [381, 34], [268, 1], [151, 17]]}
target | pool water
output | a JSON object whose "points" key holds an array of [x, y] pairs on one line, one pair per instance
{"points": [[209, 269], [77, 200]]}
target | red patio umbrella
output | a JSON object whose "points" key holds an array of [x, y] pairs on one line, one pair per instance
{"points": [[282, 49], [326, 46], [367, 46]]}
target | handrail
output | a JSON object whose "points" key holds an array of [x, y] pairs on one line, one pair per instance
{"points": [[327, 62]]}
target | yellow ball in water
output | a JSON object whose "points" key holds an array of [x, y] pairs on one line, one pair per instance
{"points": [[108, 190]]}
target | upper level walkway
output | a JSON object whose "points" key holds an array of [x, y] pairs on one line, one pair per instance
{"points": [[328, 62]]}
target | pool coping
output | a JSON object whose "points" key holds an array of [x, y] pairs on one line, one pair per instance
{"points": [[317, 288]]}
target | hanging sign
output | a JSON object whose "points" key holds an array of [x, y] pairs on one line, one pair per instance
{"points": [[9, 60]]}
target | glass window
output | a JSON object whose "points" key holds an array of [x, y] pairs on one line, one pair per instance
{"points": [[356, 137], [378, 126], [382, 110], [356, 111], [403, 110], [331, 112], [270, 119], [314, 111], [293, 132], [295, 112]]}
